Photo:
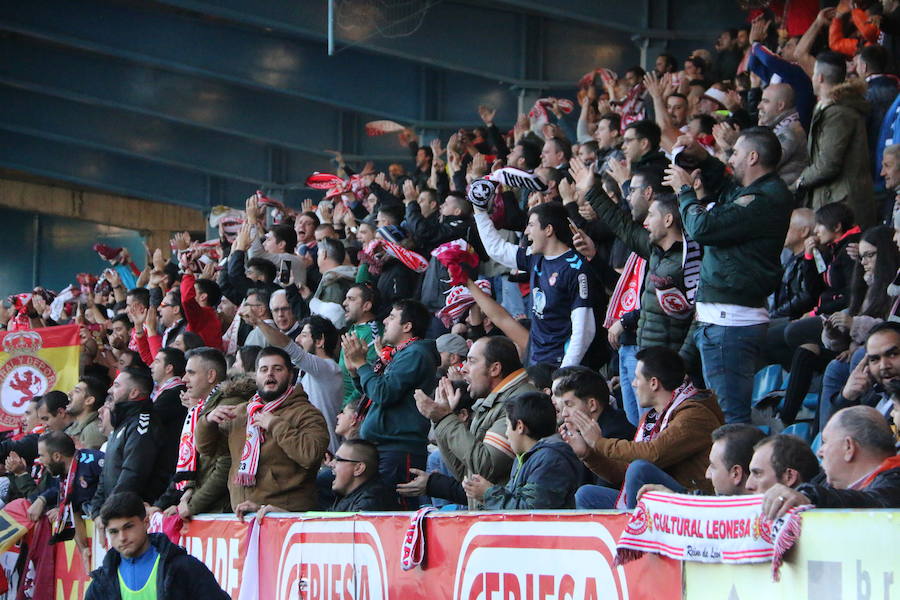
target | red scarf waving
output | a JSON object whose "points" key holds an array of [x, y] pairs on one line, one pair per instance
{"points": [[246, 473]]}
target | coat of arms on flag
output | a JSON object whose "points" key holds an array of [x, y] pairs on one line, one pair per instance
{"points": [[32, 363]]}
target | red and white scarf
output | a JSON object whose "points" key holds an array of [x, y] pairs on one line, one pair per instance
{"points": [[64, 512], [187, 449], [246, 473], [627, 295], [387, 355], [412, 552], [168, 384], [712, 529]]}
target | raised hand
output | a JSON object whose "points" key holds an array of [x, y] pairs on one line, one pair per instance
{"points": [[487, 114], [583, 175], [409, 191]]}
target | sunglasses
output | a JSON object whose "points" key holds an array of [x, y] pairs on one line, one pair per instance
{"points": [[342, 459]]}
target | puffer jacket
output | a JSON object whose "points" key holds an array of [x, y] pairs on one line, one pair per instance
{"points": [[840, 169], [180, 576], [681, 449], [655, 327], [289, 456], [133, 462], [839, 275], [545, 477]]}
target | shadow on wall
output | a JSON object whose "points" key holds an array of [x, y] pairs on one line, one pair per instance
{"points": [[63, 249]]}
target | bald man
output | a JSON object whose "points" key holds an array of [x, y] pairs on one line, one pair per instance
{"points": [[778, 112], [799, 289], [861, 465]]}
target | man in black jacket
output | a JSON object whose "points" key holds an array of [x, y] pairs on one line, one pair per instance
{"points": [[801, 283], [860, 463], [150, 560], [132, 461], [168, 412], [451, 221], [356, 479]]}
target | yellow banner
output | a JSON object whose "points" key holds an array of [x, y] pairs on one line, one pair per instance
{"points": [[841, 554], [32, 363]]}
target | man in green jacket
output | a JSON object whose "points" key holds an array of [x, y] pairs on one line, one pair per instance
{"points": [[840, 169], [666, 306], [359, 305], [742, 234], [407, 363], [494, 374]]}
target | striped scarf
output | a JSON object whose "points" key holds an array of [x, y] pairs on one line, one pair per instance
{"points": [[187, 449], [246, 473], [627, 295], [64, 508]]}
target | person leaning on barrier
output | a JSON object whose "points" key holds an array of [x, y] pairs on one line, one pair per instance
{"points": [[784, 459], [861, 465], [356, 479]]}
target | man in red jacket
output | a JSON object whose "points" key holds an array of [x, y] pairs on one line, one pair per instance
{"points": [[199, 299]]}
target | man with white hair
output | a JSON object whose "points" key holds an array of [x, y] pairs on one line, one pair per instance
{"points": [[860, 463], [282, 317]]}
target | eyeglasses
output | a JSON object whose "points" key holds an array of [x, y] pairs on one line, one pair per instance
{"points": [[342, 459]]}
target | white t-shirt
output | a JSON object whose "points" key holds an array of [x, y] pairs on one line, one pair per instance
{"points": [[731, 315]]}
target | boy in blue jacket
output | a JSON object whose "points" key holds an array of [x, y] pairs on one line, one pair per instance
{"points": [[546, 472]]}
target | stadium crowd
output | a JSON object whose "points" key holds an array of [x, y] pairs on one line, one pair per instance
{"points": [[556, 316]]}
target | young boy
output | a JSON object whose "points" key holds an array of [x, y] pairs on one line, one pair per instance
{"points": [[546, 472], [142, 565]]}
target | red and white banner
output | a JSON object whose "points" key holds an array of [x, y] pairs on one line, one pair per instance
{"points": [[722, 529], [468, 556]]}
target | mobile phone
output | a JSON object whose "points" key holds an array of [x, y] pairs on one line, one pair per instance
{"points": [[284, 272]]}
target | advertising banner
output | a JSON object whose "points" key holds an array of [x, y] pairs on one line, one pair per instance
{"points": [[841, 554], [468, 556]]}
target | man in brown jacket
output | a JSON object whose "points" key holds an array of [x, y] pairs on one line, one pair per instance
{"points": [[277, 440], [839, 169], [671, 446]]}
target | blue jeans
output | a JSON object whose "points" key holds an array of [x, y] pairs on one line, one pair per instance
{"points": [[639, 473], [836, 375], [509, 296], [627, 365], [730, 356], [436, 463]]}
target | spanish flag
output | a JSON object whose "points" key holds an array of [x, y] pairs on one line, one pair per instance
{"points": [[32, 363]]}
